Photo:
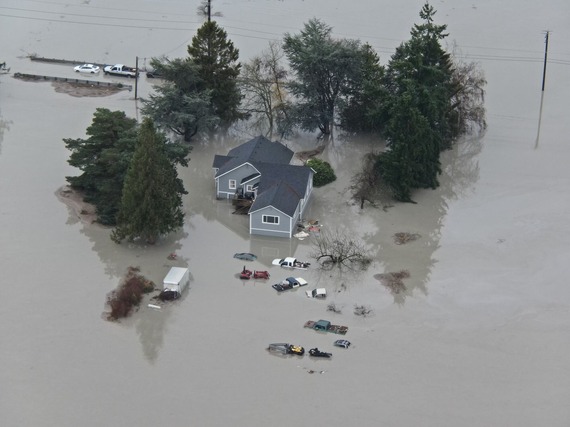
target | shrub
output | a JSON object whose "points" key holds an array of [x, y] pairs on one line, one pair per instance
{"points": [[128, 295], [324, 173]]}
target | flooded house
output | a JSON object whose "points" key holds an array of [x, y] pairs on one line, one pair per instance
{"points": [[261, 182]]}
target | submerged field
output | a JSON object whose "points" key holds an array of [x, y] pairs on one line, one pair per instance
{"points": [[465, 325]]}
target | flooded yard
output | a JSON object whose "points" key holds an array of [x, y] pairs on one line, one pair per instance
{"points": [[477, 335]]}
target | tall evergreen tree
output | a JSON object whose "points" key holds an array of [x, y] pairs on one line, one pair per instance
{"points": [[419, 82], [364, 110], [217, 61], [182, 104], [104, 158], [423, 61], [151, 203], [325, 73], [412, 160]]}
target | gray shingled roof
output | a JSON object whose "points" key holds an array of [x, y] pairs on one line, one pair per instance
{"points": [[258, 149], [280, 195], [295, 176], [282, 185]]}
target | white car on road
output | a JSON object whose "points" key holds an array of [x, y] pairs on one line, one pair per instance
{"points": [[87, 68]]}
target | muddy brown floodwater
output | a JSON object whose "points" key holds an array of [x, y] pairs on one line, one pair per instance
{"points": [[477, 335]]}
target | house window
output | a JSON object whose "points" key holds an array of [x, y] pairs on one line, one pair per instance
{"points": [[233, 184], [249, 188], [269, 219]]}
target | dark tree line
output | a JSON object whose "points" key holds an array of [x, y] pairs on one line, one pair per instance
{"points": [[129, 175], [200, 93]]}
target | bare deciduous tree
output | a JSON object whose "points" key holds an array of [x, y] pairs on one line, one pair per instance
{"points": [[468, 100], [367, 185], [338, 248], [263, 81], [204, 10]]}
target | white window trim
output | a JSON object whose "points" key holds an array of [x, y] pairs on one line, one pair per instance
{"points": [[232, 184], [249, 188], [270, 216]]}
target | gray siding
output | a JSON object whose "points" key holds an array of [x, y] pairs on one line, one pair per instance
{"points": [[283, 229], [223, 182], [305, 200]]}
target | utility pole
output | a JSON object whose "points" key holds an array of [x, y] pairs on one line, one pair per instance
{"points": [[136, 76], [545, 58], [210, 11]]}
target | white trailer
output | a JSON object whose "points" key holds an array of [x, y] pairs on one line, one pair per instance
{"points": [[176, 280]]}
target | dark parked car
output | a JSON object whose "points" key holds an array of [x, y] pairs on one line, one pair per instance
{"points": [[294, 282], [246, 256], [151, 74], [315, 352]]}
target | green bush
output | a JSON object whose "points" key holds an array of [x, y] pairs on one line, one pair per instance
{"points": [[324, 173]]}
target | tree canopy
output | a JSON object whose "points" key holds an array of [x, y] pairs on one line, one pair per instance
{"points": [[218, 67], [326, 70], [419, 84], [103, 159], [151, 203], [364, 112], [200, 93], [181, 105]]}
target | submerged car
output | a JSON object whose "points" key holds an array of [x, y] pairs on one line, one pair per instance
{"points": [[342, 343], [315, 352], [319, 293], [278, 287], [87, 68], [296, 349], [246, 256], [286, 348], [294, 282]]}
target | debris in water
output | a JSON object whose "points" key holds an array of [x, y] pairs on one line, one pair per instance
{"points": [[402, 238]]}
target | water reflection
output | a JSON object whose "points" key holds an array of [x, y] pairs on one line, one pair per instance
{"points": [[377, 226], [460, 172], [539, 120], [4, 126], [150, 324]]}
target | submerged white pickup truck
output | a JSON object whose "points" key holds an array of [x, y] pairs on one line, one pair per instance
{"points": [[291, 262], [121, 70]]}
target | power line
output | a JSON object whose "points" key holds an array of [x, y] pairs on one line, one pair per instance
{"points": [[96, 16], [192, 26], [99, 24]]}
